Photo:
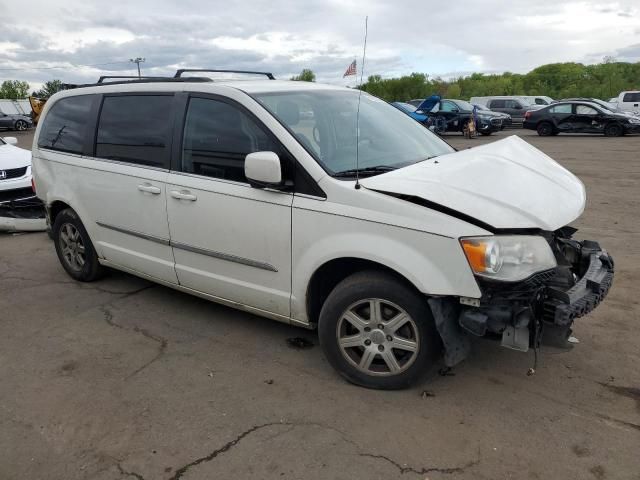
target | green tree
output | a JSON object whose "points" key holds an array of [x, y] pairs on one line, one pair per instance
{"points": [[14, 89], [305, 76], [48, 89], [557, 80]]}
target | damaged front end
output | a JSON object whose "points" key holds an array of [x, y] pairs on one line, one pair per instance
{"points": [[21, 210], [540, 308]]}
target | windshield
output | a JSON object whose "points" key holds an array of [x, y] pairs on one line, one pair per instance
{"points": [[388, 137]]}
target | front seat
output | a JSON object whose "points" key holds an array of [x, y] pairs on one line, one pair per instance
{"points": [[289, 113]]}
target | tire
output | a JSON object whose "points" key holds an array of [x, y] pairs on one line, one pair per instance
{"points": [[366, 357], [74, 248], [486, 134], [21, 125], [613, 130], [545, 129]]}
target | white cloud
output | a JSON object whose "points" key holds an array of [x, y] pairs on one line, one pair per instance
{"points": [[324, 35]]}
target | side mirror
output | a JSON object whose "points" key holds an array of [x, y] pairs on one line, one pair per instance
{"points": [[10, 140], [262, 170]]}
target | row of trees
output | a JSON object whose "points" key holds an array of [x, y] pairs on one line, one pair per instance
{"points": [[557, 80], [17, 89]]}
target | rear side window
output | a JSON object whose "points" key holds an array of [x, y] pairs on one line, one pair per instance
{"points": [[497, 104], [217, 138], [566, 108], [541, 101], [631, 97], [65, 126], [136, 129]]}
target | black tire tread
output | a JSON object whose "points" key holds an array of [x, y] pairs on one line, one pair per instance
{"points": [[92, 269]]}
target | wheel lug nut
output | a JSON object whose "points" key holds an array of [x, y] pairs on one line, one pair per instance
{"points": [[380, 326], [389, 338], [367, 342], [380, 348]]}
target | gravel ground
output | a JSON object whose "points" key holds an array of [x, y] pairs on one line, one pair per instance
{"points": [[125, 379]]}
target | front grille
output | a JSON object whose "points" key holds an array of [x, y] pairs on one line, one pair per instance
{"points": [[496, 121], [12, 173]]}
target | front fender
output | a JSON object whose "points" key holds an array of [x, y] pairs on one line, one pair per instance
{"points": [[434, 264]]}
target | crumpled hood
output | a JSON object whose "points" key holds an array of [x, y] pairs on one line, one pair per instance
{"points": [[14, 157], [505, 184]]}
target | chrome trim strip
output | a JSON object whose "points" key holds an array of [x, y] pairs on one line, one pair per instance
{"points": [[225, 256], [189, 248], [162, 241]]}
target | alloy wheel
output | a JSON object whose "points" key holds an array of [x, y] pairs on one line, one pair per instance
{"points": [[21, 125], [378, 337], [72, 246]]}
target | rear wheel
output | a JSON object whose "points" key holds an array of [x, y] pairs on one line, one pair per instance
{"points": [[21, 125], [74, 248], [545, 129], [377, 331], [613, 130]]}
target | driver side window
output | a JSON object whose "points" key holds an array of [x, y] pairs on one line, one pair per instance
{"points": [[585, 110], [447, 107], [217, 138]]}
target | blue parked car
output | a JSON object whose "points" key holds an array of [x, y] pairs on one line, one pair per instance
{"points": [[455, 114]]}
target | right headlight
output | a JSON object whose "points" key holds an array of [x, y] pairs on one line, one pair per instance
{"points": [[508, 257]]}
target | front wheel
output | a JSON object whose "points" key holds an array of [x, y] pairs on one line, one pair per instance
{"points": [[74, 248], [21, 125], [378, 332], [613, 130], [486, 134]]}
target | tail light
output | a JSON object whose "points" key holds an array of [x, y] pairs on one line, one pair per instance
{"points": [[33, 185], [527, 114]]}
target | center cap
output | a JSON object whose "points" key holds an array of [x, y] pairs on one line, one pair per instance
{"points": [[378, 337]]}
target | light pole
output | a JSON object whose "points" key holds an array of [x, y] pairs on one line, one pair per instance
{"points": [[137, 61]]}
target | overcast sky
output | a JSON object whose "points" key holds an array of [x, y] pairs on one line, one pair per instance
{"points": [[439, 38]]}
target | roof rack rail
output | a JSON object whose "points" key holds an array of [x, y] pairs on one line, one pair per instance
{"points": [[121, 77], [69, 86], [179, 73]]}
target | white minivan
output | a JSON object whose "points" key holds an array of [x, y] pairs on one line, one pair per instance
{"points": [[354, 219]]}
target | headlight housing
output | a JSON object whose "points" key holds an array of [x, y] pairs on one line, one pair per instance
{"points": [[634, 120], [508, 258]]}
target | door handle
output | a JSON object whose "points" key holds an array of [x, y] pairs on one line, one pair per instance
{"points": [[148, 188], [183, 195]]}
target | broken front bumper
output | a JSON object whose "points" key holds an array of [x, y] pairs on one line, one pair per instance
{"points": [[21, 210], [544, 306]]}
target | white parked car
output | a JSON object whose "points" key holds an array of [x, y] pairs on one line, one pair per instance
{"points": [[364, 225], [20, 209], [629, 101]]}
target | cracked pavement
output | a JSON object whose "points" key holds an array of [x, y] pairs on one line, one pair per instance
{"points": [[123, 379]]}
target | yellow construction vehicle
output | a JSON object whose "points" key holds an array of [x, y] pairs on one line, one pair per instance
{"points": [[37, 105]]}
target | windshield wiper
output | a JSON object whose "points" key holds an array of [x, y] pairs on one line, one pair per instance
{"points": [[367, 171]]}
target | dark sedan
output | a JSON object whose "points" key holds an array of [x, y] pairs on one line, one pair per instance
{"points": [[15, 121], [579, 117]]}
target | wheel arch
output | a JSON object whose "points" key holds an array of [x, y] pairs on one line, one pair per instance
{"points": [[55, 208], [325, 278]]}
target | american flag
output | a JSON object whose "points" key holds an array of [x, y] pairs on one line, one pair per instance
{"points": [[351, 70]]}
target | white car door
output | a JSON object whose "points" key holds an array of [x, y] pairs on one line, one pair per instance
{"points": [[118, 185], [229, 240]]}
